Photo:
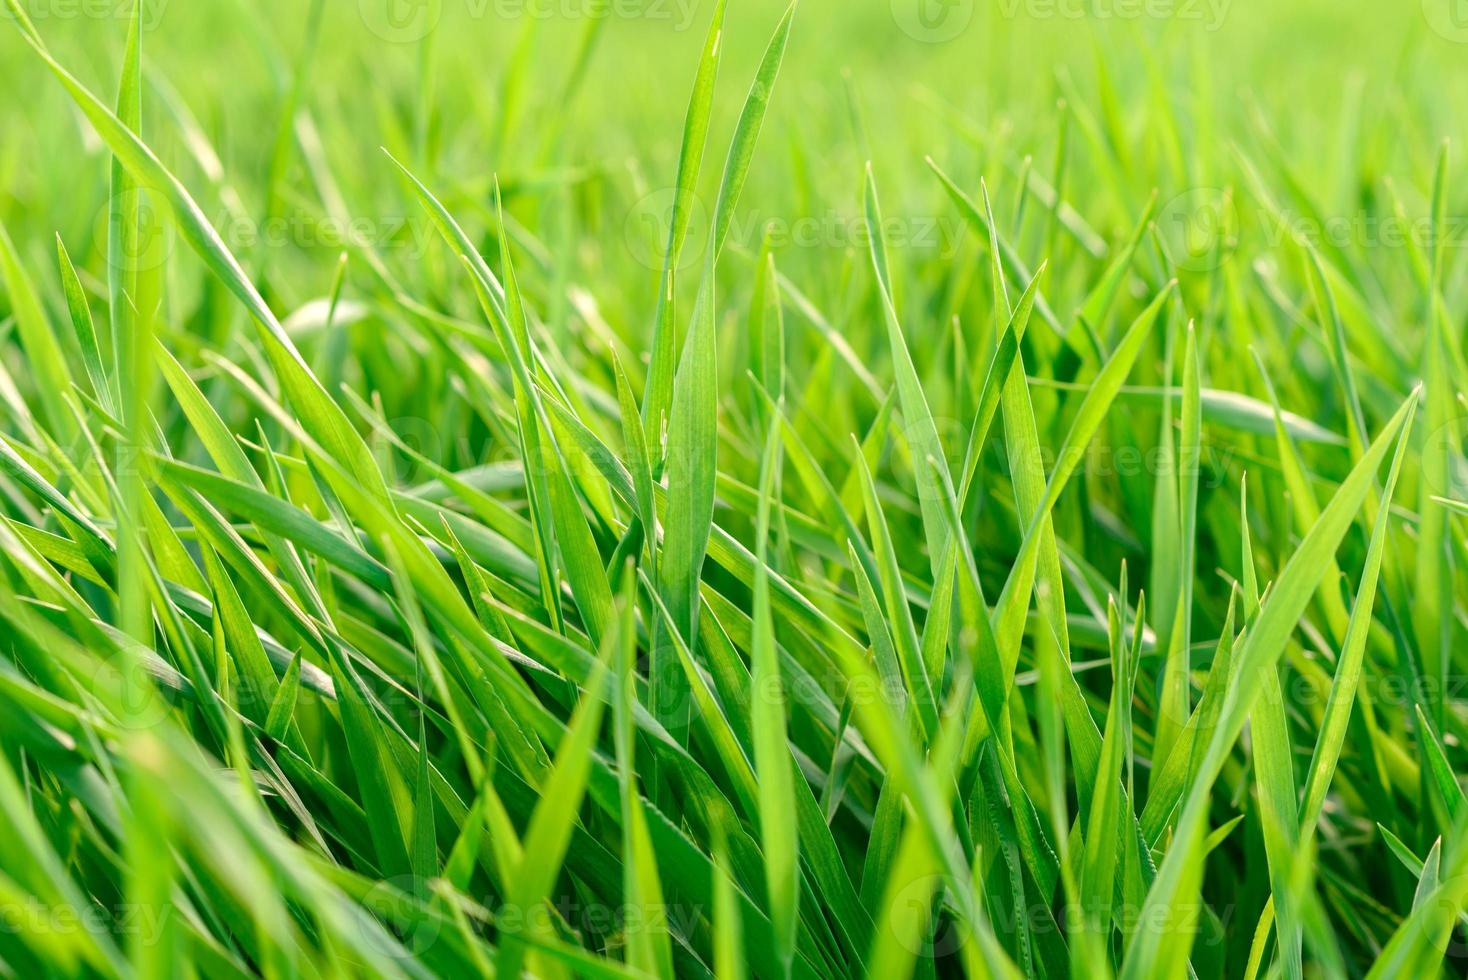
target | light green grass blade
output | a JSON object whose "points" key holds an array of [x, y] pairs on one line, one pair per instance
{"points": [[143, 165], [692, 461], [918, 428], [1331, 739], [659, 390], [1175, 695], [773, 765], [1164, 952], [549, 833], [85, 330], [42, 346]]}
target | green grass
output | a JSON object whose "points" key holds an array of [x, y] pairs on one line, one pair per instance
{"points": [[732, 489]]}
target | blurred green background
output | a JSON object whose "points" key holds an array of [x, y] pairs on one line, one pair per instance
{"points": [[1251, 121], [1351, 91]]}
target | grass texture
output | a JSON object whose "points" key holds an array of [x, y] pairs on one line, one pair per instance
{"points": [[751, 492]]}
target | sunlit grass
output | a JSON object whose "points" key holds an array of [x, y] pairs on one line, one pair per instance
{"points": [[944, 538]]}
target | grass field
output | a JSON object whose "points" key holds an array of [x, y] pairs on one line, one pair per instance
{"points": [[623, 488]]}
